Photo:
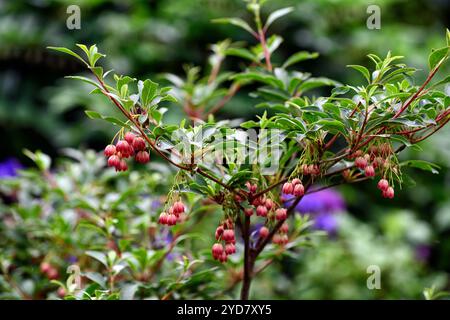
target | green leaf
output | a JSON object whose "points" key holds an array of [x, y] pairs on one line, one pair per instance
{"points": [[276, 15], [270, 94], [441, 82], [94, 55], [313, 83], [117, 122], [147, 90], [84, 48], [96, 91], [98, 71], [168, 98], [242, 53], [363, 70], [121, 81], [96, 277], [260, 77], [93, 114], [423, 165], [286, 121], [42, 160], [99, 256], [84, 79], [67, 51], [332, 125], [237, 22], [437, 56], [341, 90], [401, 139], [298, 57], [91, 226], [274, 42], [239, 178], [250, 124]]}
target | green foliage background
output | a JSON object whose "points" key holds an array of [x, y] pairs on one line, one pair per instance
{"points": [[40, 110]]}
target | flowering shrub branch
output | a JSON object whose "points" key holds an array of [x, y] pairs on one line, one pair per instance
{"points": [[352, 135]]}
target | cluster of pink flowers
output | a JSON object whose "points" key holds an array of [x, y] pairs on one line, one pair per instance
{"points": [[50, 271], [126, 148], [173, 215], [295, 188], [386, 190], [226, 241], [311, 169], [281, 236], [374, 159]]}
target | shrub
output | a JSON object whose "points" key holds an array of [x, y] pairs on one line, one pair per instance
{"points": [[351, 135]]}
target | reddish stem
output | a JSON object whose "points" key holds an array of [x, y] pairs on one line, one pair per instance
{"points": [[262, 39]]}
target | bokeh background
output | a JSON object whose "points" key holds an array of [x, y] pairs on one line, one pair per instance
{"points": [[40, 110]]}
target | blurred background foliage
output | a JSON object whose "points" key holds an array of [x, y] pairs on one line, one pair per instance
{"points": [[407, 237]]}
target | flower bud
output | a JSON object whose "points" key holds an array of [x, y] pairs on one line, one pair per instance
{"points": [[269, 204], [284, 239], [251, 187], [314, 169], [109, 150], [305, 169], [223, 258], [369, 171], [389, 193], [287, 188], [230, 248], [361, 162], [122, 166], [217, 250], [228, 235], [129, 137], [261, 211], [299, 190], [52, 274], [124, 148], [45, 267], [284, 228], [383, 185], [276, 238], [263, 232], [163, 218], [138, 144], [281, 214], [113, 161], [219, 232], [142, 157], [248, 212], [61, 292], [178, 207]]}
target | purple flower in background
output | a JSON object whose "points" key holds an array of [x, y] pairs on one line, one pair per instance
{"points": [[9, 167], [326, 222], [156, 204], [164, 240], [254, 233], [322, 205], [324, 201], [72, 259], [423, 252]]}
